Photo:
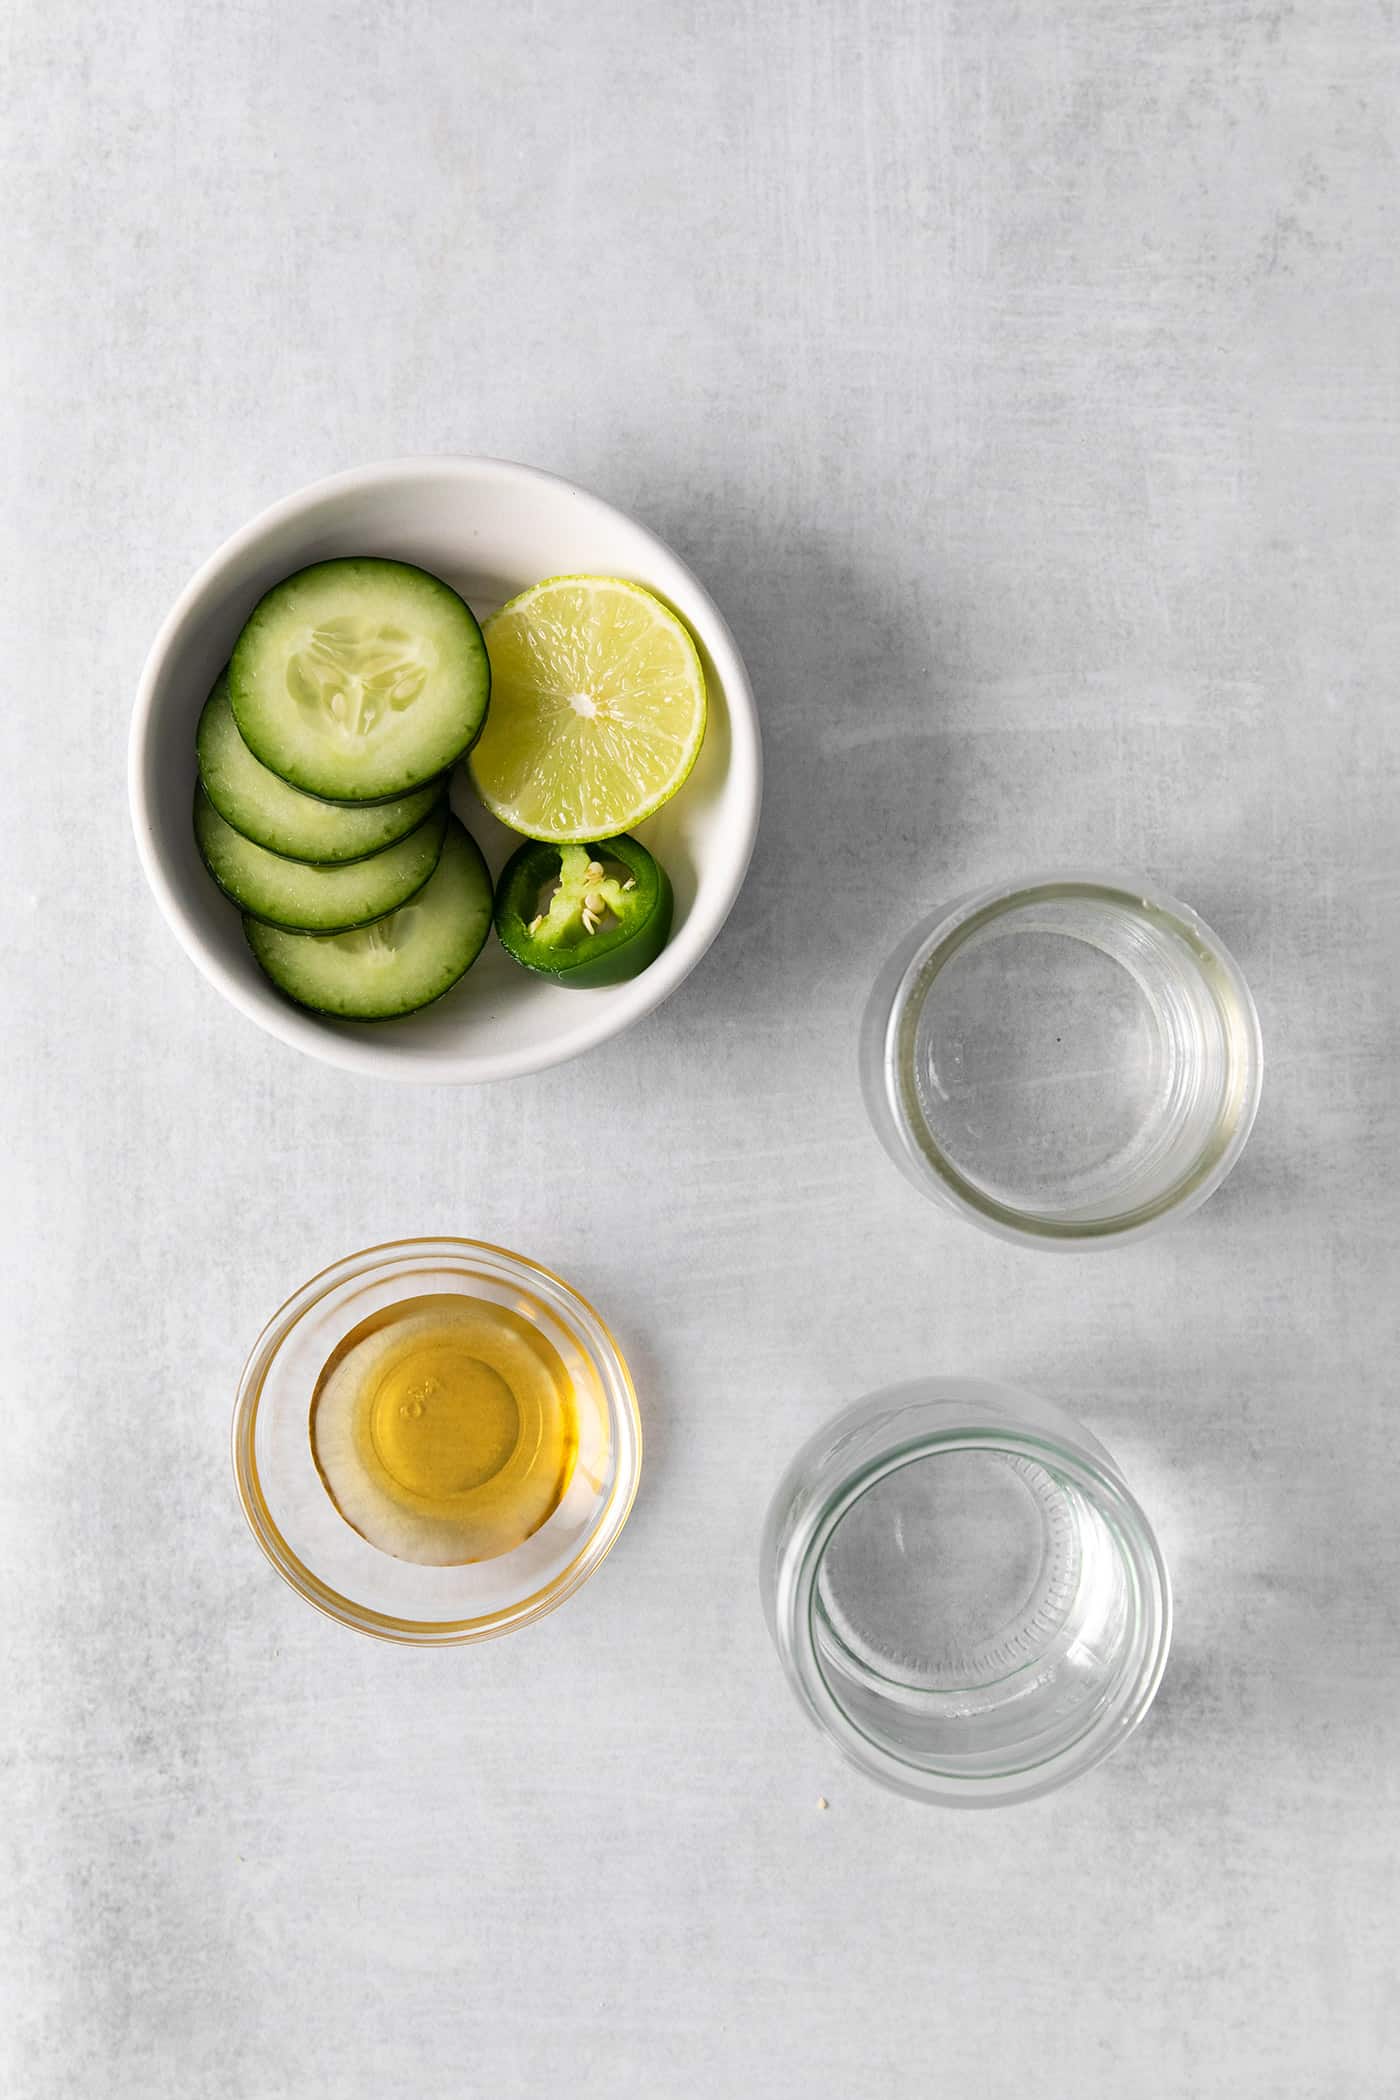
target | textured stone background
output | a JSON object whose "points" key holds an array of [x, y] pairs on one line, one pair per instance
{"points": [[1022, 378]]}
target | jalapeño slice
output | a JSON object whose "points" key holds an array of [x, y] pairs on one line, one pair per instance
{"points": [[584, 915]]}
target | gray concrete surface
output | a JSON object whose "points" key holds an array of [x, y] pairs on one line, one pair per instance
{"points": [[1022, 378]]}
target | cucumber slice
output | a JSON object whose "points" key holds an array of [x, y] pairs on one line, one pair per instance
{"points": [[359, 679], [267, 811], [398, 964], [306, 899]]}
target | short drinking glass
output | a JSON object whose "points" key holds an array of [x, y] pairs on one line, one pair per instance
{"points": [[963, 1592], [1067, 1061]]}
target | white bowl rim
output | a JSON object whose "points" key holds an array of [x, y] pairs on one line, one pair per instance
{"points": [[627, 1002]]}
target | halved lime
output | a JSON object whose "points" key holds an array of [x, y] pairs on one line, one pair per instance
{"points": [[597, 710]]}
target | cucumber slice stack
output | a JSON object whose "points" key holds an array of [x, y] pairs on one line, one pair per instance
{"points": [[322, 806], [305, 898], [272, 814], [396, 964]]}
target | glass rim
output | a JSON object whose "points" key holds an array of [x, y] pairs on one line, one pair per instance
{"points": [[796, 1605], [593, 1335], [938, 938]]}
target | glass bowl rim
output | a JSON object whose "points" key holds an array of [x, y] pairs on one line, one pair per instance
{"points": [[593, 1335]]}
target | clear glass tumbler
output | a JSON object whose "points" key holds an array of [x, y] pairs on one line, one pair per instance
{"points": [[964, 1594], [1068, 1061]]}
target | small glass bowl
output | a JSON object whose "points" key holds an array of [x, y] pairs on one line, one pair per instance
{"points": [[328, 1563], [963, 1593], [1067, 1061]]}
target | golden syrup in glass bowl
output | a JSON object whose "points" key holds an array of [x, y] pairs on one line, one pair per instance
{"points": [[445, 1429]]}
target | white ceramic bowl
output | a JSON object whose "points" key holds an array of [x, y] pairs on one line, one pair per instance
{"points": [[490, 528]]}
